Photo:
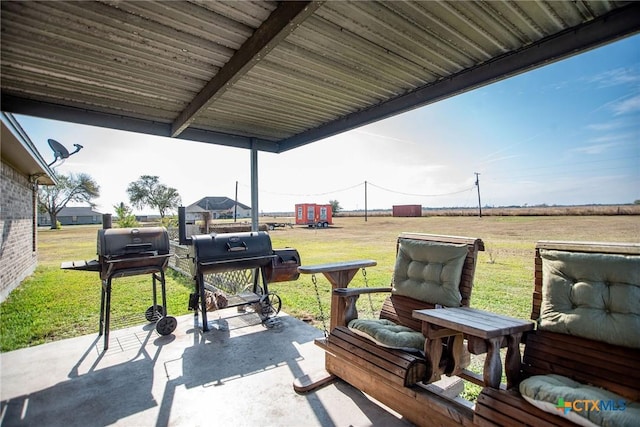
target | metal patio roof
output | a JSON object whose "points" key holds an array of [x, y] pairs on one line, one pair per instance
{"points": [[277, 75]]}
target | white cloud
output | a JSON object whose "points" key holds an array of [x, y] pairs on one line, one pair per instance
{"points": [[626, 106], [618, 138], [594, 148], [607, 126], [616, 77]]}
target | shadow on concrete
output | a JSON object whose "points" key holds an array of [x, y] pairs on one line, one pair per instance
{"points": [[98, 398], [237, 373]]}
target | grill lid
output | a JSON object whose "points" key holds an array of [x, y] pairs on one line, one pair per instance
{"points": [[230, 251], [125, 242]]}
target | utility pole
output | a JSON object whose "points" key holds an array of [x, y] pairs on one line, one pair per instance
{"points": [[365, 201], [478, 185]]}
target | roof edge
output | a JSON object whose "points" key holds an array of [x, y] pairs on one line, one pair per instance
{"points": [[47, 175], [29, 107], [612, 26]]}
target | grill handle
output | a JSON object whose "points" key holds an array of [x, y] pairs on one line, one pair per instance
{"points": [[239, 248]]}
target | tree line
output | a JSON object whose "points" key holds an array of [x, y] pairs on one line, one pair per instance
{"points": [[146, 191]]}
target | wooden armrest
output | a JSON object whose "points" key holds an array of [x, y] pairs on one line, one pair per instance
{"points": [[345, 309], [349, 292], [336, 266]]}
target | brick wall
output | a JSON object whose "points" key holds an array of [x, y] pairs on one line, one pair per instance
{"points": [[18, 256]]}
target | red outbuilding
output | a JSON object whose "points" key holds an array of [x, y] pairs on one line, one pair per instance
{"points": [[313, 215], [407, 210]]}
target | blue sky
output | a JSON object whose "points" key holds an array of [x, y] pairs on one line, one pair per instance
{"points": [[567, 133]]}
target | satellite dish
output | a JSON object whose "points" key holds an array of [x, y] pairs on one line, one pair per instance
{"points": [[58, 149], [60, 152]]}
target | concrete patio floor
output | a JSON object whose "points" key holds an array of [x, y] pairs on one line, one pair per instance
{"points": [[237, 374]]}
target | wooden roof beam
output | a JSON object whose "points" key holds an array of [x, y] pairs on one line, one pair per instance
{"points": [[282, 21]]}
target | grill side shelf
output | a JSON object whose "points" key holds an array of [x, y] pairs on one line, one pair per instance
{"points": [[81, 265]]}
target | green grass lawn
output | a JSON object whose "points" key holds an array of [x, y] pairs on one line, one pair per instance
{"points": [[53, 304]]}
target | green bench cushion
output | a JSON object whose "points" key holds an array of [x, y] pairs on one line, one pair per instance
{"points": [[429, 271], [388, 334], [591, 295], [425, 271], [583, 404]]}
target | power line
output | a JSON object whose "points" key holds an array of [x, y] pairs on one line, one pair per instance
{"points": [[308, 194], [421, 195]]}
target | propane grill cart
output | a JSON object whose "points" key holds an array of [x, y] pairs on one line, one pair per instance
{"points": [[126, 252]]}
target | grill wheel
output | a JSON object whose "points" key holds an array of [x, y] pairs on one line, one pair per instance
{"points": [[166, 325], [269, 306], [153, 315]]}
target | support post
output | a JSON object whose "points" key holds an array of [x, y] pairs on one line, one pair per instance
{"points": [[254, 186]]}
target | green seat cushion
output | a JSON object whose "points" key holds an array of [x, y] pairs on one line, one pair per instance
{"points": [[583, 404], [429, 271], [591, 295], [388, 334]]}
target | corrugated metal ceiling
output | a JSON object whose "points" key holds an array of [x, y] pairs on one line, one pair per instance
{"points": [[279, 75]]}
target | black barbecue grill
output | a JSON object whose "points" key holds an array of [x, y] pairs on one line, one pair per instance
{"points": [[228, 252], [224, 252], [126, 252]]}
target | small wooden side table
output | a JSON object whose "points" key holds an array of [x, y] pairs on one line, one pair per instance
{"points": [[443, 322]]}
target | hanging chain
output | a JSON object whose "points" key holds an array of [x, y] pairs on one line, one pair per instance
{"points": [[366, 285], [324, 322]]}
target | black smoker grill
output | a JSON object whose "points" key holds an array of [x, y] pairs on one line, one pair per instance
{"points": [[220, 253], [225, 252], [127, 252]]}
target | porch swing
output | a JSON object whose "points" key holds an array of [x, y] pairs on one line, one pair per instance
{"points": [[369, 356]]}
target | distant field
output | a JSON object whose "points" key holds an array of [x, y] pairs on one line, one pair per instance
{"points": [[504, 275], [581, 210], [54, 304]]}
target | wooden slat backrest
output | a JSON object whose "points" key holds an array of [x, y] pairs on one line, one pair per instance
{"points": [[399, 309], [614, 368], [589, 247]]}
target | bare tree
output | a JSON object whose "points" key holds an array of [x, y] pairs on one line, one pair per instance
{"points": [[70, 188]]}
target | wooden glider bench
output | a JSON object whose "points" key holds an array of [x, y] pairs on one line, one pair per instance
{"points": [[392, 375], [586, 303]]}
